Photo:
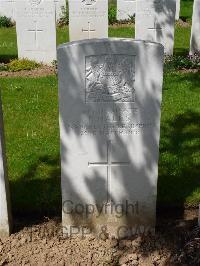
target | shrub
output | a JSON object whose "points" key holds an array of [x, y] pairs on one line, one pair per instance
{"points": [[22, 64], [5, 22], [64, 19], [112, 14], [132, 18], [183, 62]]}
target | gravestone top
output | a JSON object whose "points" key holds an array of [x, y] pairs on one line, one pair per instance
{"points": [[109, 100], [88, 19], [36, 30], [107, 40], [155, 21], [7, 8]]}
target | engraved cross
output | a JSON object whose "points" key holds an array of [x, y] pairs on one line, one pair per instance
{"points": [[88, 2], [36, 31], [155, 28], [88, 30], [108, 164]]}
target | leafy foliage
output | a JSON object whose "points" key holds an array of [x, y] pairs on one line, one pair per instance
{"points": [[5, 22], [64, 19], [182, 62], [22, 64], [112, 14]]}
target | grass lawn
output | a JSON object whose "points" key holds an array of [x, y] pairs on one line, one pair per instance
{"points": [[31, 125], [186, 10]]}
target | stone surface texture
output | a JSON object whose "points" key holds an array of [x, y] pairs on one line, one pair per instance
{"points": [[109, 96], [36, 30], [195, 32], [126, 9], [88, 19], [5, 210], [155, 21]]}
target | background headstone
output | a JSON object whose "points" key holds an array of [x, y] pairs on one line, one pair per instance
{"points": [[36, 30], [178, 6], [155, 21], [5, 210], [109, 96], [59, 5], [195, 31], [7, 8], [88, 19], [126, 9]]}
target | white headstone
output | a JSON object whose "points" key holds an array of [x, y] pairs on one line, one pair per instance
{"points": [[7, 8], [88, 19], [60, 4], [109, 95], [36, 30], [178, 6], [5, 211], [126, 9], [195, 32], [155, 21]]}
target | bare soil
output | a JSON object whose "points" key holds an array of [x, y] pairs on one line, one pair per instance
{"points": [[38, 72], [184, 70], [177, 242], [183, 24]]}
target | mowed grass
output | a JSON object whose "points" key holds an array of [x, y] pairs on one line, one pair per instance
{"points": [[30, 108], [186, 10], [31, 128]]}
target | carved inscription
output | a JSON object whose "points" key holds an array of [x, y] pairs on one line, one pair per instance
{"points": [[110, 78], [87, 11], [35, 10], [34, 2], [110, 129], [88, 2]]}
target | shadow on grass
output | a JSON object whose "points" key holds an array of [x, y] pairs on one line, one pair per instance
{"points": [[7, 58], [38, 197], [181, 51], [179, 165]]}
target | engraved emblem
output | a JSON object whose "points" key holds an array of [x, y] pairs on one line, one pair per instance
{"points": [[110, 78], [88, 2], [35, 2]]}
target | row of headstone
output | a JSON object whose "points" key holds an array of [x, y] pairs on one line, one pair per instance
{"points": [[36, 26], [155, 20], [7, 8]]}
